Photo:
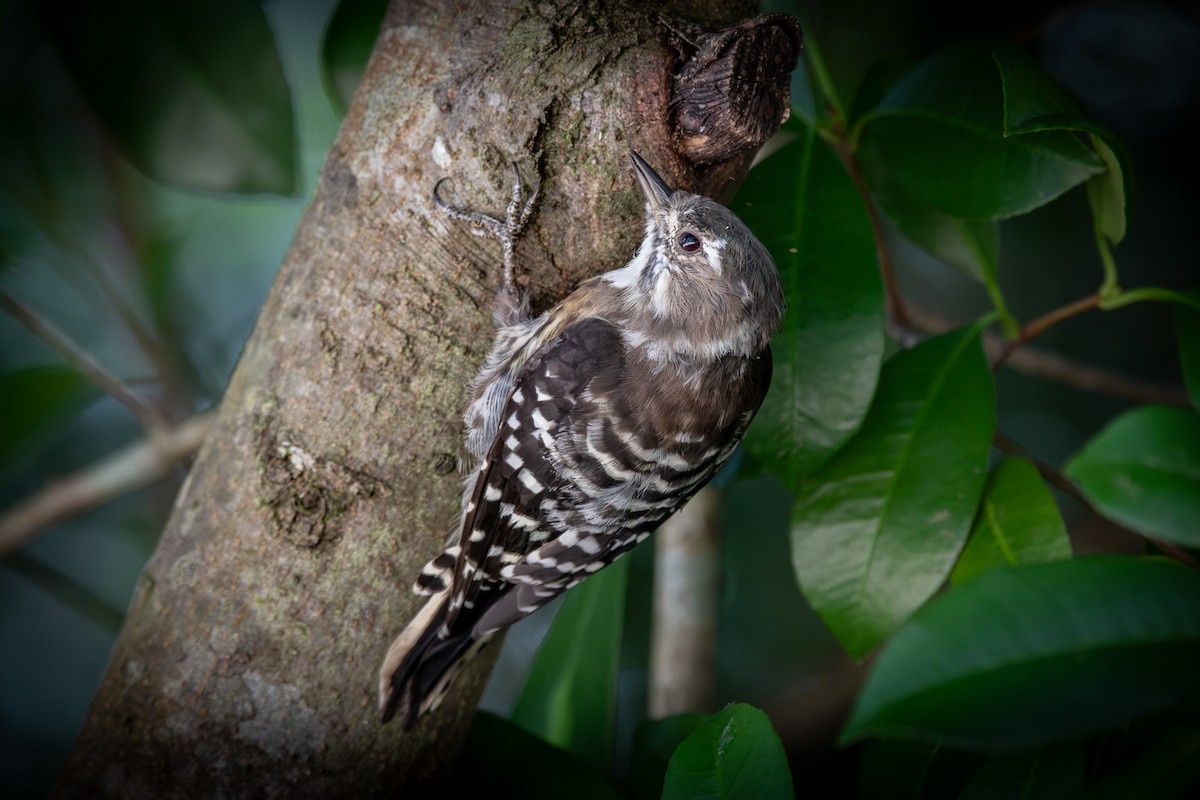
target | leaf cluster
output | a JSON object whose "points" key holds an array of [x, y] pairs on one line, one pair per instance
{"points": [[1001, 662]]}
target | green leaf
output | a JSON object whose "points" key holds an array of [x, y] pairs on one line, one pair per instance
{"points": [[654, 742], [804, 207], [37, 399], [1033, 102], [1143, 471], [882, 76], [1038, 654], [347, 45], [972, 246], [1018, 523], [969, 245], [940, 135], [1187, 335], [568, 698], [1110, 194], [735, 754], [876, 530], [496, 761], [194, 93]]}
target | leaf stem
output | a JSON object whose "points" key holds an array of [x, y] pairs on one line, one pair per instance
{"points": [[1109, 288], [1149, 293], [1007, 321]]}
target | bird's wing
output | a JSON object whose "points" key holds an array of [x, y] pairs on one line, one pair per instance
{"points": [[505, 516]]}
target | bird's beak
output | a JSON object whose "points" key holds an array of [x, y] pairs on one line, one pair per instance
{"points": [[655, 188]]}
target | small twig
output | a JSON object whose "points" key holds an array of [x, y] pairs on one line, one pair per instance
{"points": [[81, 360], [134, 467], [129, 317], [899, 323], [1050, 473], [155, 341], [67, 591], [1043, 364], [1032, 360], [1055, 478], [147, 337], [1043, 323], [1175, 551]]}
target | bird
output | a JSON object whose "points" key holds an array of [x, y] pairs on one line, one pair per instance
{"points": [[591, 423]]}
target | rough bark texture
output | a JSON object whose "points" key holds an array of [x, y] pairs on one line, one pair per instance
{"points": [[247, 664]]}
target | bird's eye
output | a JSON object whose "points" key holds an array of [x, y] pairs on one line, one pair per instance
{"points": [[689, 242]]}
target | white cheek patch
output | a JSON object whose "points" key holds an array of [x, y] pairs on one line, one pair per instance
{"points": [[627, 276], [712, 251], [662, 290]]}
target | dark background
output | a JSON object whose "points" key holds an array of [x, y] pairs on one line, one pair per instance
{"points": [[80, 226]]}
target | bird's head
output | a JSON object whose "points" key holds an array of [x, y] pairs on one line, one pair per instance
{"points": [[701, 284]]}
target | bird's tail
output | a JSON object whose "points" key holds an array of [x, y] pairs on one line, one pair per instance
{"points": [[422, 662]]}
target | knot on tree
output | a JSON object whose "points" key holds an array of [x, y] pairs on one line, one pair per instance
{"points": [[731, 94], [307, 493]]}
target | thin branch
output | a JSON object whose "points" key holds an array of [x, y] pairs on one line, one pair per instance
{"points": [[155, 341], [687, 590], [1032, 360], [67, 591], [1043, 323], [1173, 550], [134, 467], [1050, 473], [81, 360], [1044, 364], [899, 322], [1055, 478], [98, 141], [838, 136]]}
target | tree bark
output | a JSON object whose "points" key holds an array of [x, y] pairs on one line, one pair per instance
{"points": [[248, 661]]}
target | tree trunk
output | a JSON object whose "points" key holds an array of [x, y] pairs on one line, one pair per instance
{"points": [[248, 660]]}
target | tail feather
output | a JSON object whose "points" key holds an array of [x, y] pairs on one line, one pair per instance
{"points": [[422, 662]]}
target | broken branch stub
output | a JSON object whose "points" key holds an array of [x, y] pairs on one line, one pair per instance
{"points": [[732, 93]]}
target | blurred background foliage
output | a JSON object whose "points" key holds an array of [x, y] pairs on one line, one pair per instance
{"points": [[154, 161]]}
